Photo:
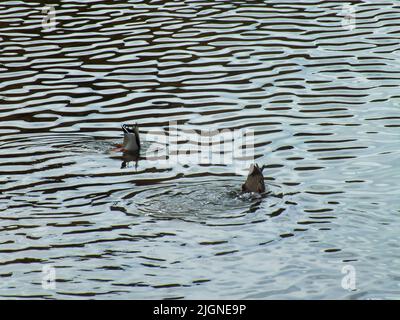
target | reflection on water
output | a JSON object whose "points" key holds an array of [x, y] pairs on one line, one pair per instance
{"points": [[323, 101]]}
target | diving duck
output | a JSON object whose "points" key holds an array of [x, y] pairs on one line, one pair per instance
{"points": [[255, 180], [131, 143]]}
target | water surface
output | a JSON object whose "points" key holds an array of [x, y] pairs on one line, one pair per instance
{"points": [[322, 99]]}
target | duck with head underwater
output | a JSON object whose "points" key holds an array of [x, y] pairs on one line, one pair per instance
{"points": [[255, 180], [130, 145]]}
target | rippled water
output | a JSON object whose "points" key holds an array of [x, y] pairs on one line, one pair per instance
{"points": [[322, 98]]}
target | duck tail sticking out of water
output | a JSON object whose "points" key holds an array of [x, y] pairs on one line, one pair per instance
{"points": [[255, 180], [131, 141]]}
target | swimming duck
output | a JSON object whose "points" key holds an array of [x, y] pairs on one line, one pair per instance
{"points": [[255, 180]]}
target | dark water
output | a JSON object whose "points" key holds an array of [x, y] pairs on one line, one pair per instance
{"points": [[322, 99]]}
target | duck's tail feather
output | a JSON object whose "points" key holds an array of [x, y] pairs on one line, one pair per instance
{"points": [[126, 128]]}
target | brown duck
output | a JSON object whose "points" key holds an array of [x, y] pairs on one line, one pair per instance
{"points": [[255, 180]]}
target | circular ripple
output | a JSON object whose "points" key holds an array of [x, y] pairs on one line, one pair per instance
{"points": [[216, 201]]}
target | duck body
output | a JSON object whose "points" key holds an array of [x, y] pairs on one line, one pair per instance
{"points": [[255, 180], [131, 142]]}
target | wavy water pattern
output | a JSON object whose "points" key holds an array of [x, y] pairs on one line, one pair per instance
{"points": [[321, 97]]}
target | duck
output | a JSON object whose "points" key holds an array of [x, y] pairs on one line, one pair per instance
{"points": [[130, 146], [255, 180], [131, 142]]}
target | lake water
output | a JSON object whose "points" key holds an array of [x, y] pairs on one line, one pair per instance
{"points": [[318, 82]]}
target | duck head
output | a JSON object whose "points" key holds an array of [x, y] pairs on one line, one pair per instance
{"points": [[255, 180]]}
